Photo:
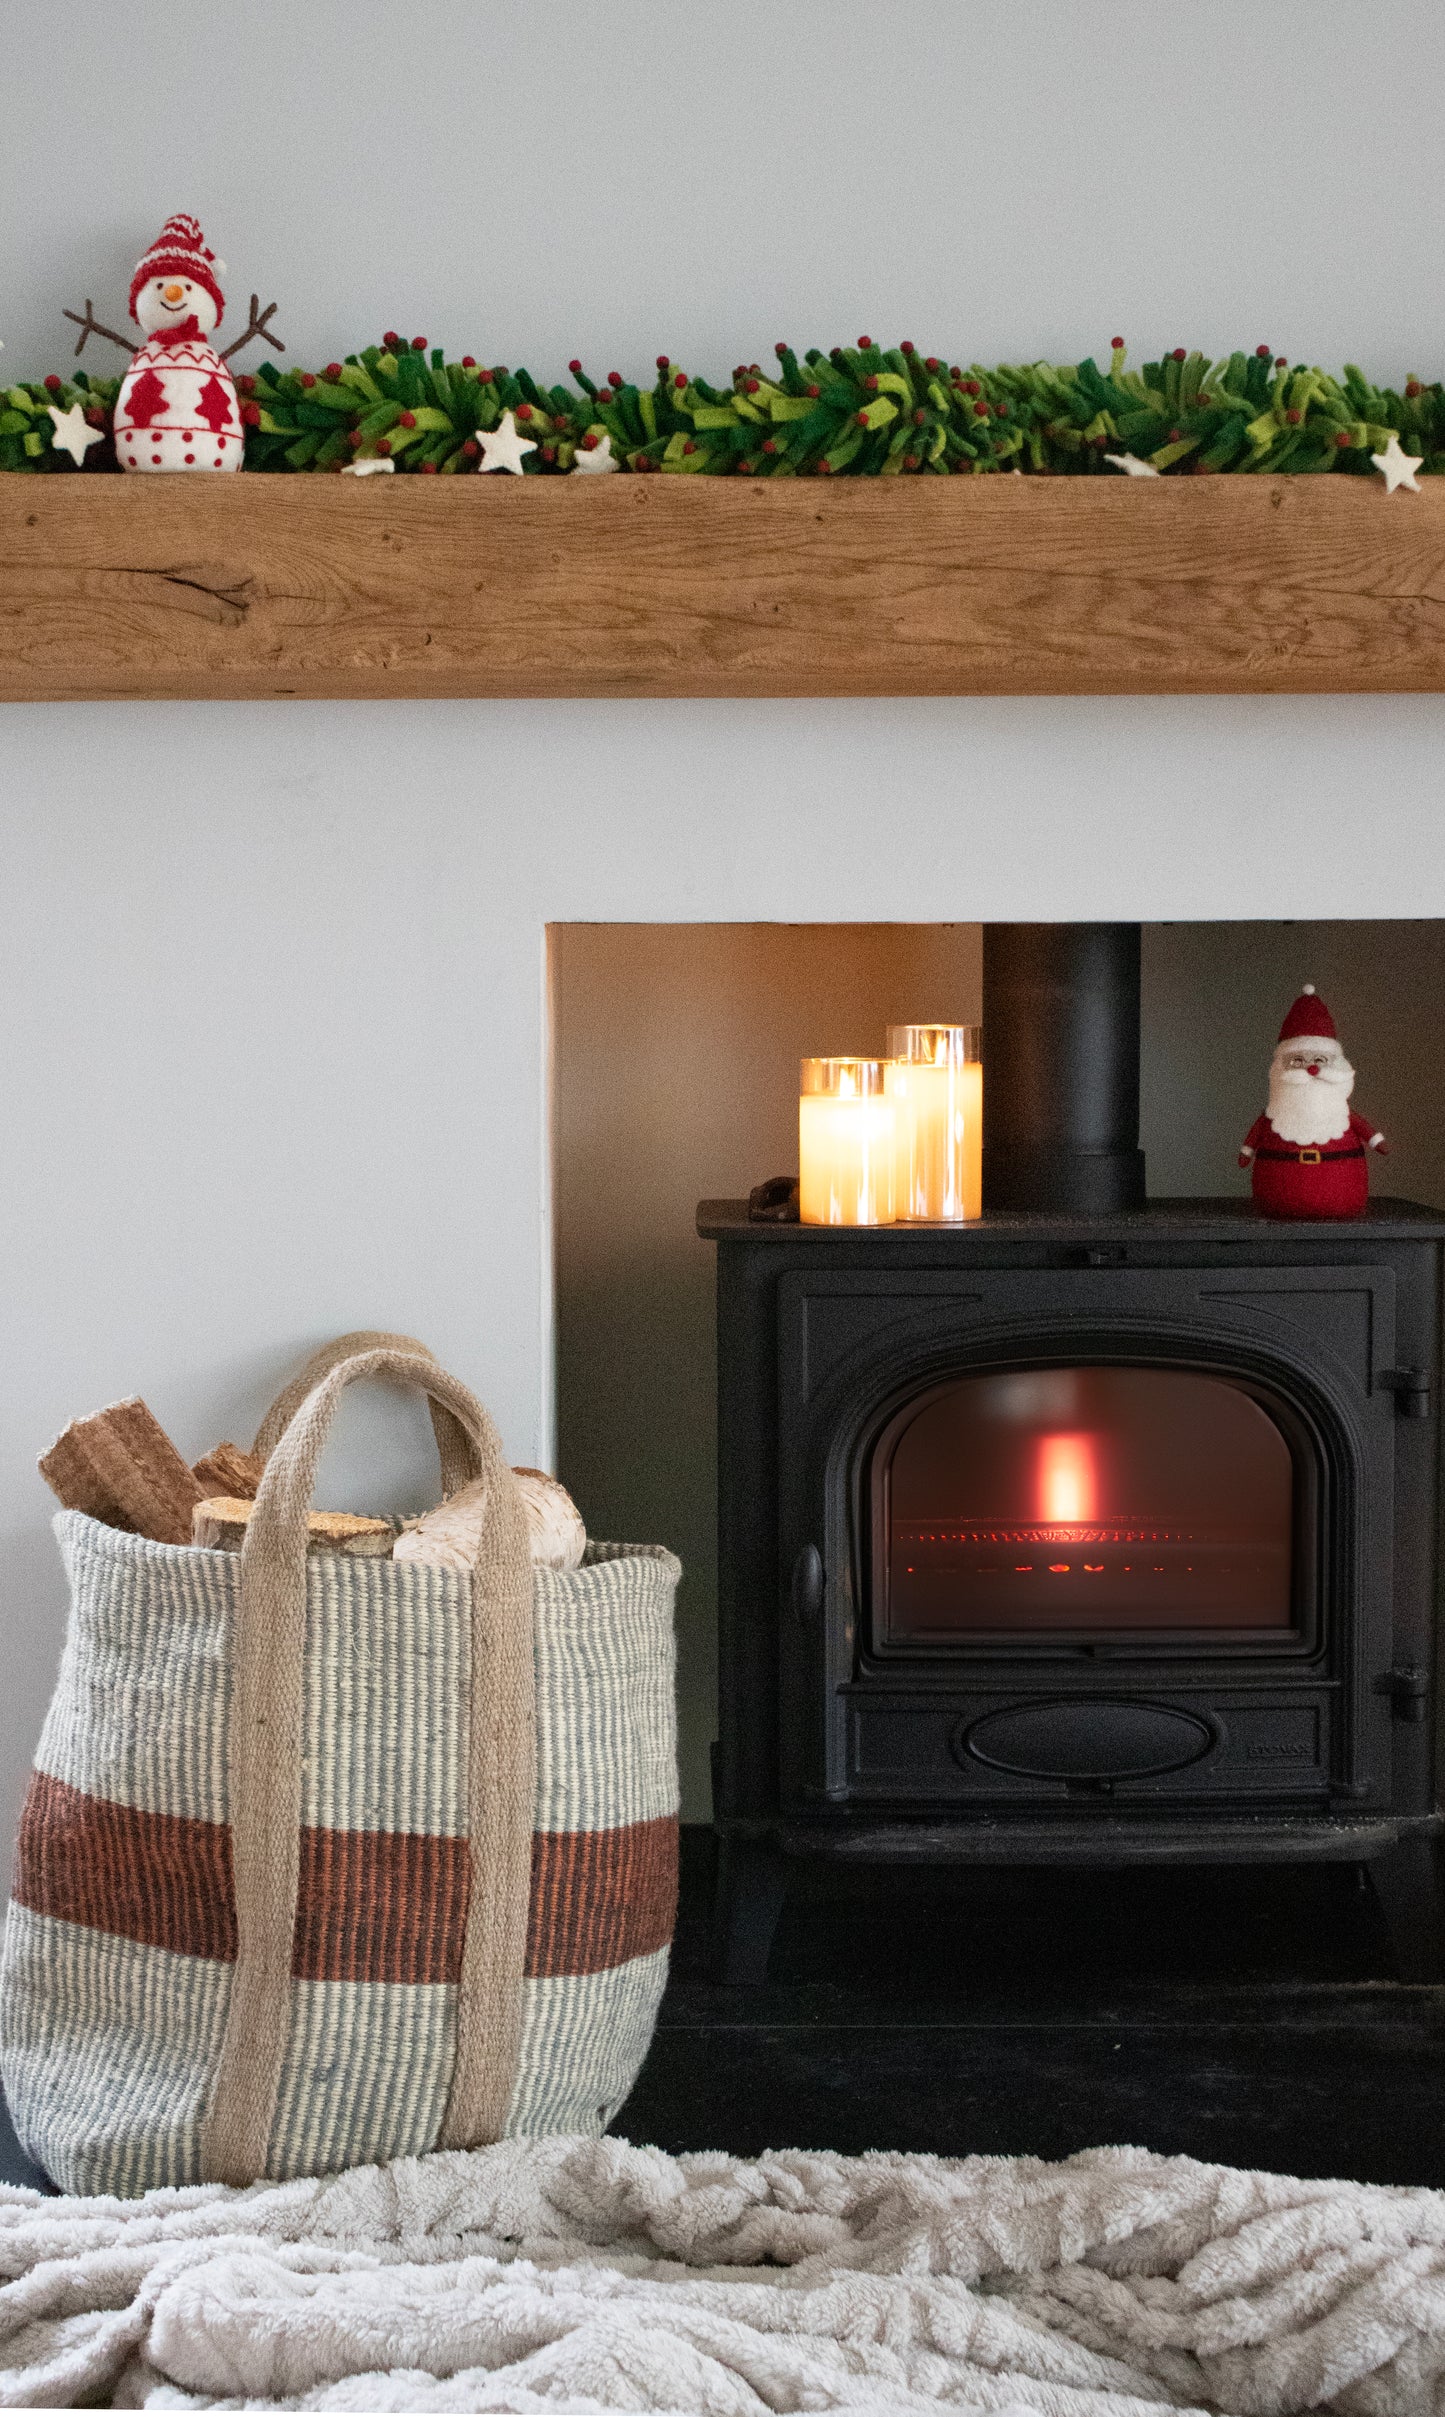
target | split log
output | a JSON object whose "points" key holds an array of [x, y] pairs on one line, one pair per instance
{"points": [[450, 1536], [221, 1523], [120, 1466], [226, 1469]]}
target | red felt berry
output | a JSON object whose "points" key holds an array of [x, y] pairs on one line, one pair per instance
{"points": [[1179, 353], [814, 392], [485, 376], [307, 378], [471, 448], [576, 368], [1412, 387], [751, 385], [383, 444], [246, 385], [865, 343], [418, 344], [932, 361], [680, 379], [469, 360], [740, 372], [1176, 436], [561, 421], [428, 467], [907, 349], [1264, 352], [663, 362], [614, 377], [919, 417], [970, 385], [589, 441], [1294, 418], [1116, 343], [353, 437], [524, 411], [769, 446], [825, 468], [910, 461], [1343, 438], [780, 349], [1280, 362], [251, 414], [549, 453], [52, 384], [333, 371], [689, 446], [408, 419], [871, 384], [95, 417], [862, 419], [392, 340], [1000, 411], [980, 411]]}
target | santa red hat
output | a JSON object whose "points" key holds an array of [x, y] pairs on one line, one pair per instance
{"points": [[181, 250], [1309, 1019]]}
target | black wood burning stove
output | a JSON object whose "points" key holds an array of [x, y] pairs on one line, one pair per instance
{"points": [[1078, 1538]]}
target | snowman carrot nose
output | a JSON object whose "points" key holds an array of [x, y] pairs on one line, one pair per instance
{"points": [[175, 292]]}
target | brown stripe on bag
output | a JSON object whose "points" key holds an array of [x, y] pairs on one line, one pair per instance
{"points": [[153, 1877], [380, 1905], [601, 1897]]}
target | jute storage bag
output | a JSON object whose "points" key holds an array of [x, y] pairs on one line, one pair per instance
{"points": [[326, 1861]]}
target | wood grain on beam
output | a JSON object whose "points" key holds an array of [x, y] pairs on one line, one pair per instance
{"points": [[308, 586]]}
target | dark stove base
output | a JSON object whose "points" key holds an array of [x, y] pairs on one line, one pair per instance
{"points": [[1248, 2017], [1403, 1863]]}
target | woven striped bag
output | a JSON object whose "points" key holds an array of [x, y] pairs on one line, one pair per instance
{"points": [[326, 1861]]}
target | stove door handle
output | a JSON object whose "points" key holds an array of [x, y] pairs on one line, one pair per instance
{"points": [[809, 1587]]}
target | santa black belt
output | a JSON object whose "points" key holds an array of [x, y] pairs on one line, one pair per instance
{"points": [[1310, 1158]]}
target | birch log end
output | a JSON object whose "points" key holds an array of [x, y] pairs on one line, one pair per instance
{"points": [[450, 1536]]}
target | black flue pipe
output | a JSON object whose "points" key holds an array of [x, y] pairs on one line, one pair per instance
{"points": [[1061, 1068]]}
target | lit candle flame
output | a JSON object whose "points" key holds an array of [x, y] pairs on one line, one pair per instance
{"points": [[1067, 1490]]}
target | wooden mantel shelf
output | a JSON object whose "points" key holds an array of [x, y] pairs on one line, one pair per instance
{"points": [[278, 586]]}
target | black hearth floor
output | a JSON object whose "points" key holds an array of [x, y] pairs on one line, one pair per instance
{"points": [[1249, 2017], [1246, 2017]]}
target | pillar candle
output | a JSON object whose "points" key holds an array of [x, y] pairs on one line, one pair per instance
{"points": [[935, 1080], [845, 1142]]}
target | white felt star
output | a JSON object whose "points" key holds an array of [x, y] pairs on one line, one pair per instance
{"points": [[595, 458], [1131, 465], [71, 434], [502, 448], [1399, 467], [373, 462]]}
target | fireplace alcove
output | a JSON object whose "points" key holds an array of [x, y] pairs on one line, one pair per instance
{"points": [[1078, 1538]]}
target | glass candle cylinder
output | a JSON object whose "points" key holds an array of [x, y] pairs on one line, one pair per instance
{"points": [[935, 1081], [845, 1143]]}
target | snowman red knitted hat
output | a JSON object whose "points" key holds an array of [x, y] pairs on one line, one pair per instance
{"points": [[181, 250], [1309, 1019]]}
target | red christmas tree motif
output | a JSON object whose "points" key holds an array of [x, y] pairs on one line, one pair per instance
{"points": [[146, 399], [215, 406]]}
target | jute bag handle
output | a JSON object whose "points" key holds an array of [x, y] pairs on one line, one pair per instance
{"points": [[265, 1777], [451, 1440]]}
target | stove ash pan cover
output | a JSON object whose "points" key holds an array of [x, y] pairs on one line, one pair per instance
{"points": [[1086, 1737]]}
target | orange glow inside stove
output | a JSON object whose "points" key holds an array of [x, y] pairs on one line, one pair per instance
{"points": [[1088, 1498]]}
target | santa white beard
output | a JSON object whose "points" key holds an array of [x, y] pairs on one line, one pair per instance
{"points": [[1307, 1109]]}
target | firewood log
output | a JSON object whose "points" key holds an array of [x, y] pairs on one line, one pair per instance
{"points": [[226, 1469], [221, 1522], [120, 1466], [449, 1536]]}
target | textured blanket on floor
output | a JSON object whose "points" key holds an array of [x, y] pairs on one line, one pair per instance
{"points": [[591, 2275]]}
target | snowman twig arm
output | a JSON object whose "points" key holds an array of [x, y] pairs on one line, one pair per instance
{"points": [[257, 327], [91, 326]]}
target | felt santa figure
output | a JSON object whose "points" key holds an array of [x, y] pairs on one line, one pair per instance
{"points": [[177, 406], [1308, 1153]]}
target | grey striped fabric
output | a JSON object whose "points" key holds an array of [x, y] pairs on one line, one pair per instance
{"points": [[117, 1960]]}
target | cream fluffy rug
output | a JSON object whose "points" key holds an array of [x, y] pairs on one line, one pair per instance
{"points": [[589, 2275]]}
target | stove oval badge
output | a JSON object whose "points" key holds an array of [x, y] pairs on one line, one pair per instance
{"points": [[1086, 1737]]}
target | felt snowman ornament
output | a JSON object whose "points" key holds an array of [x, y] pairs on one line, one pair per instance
{"points": [[177, 408], [1308, 1155]]}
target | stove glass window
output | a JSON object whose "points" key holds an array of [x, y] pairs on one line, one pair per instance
{"points": [[1084, 1498]]}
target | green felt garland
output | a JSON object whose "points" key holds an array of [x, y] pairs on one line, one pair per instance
{"points": [[859, 410]]}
